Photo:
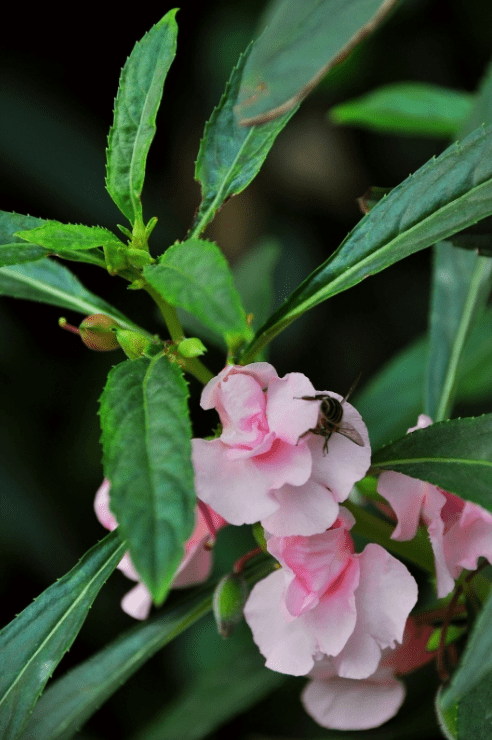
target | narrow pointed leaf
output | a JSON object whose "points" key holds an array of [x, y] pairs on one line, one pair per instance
{"points": [[461, 285], [147, 457], [412, 108], [72, 699], [47, 281], [230, 156], [15, 254], [455, 455], [136, 105], [194, 275], [444, 196], [468, 693], [33, 644], [56, 236], [10, 223], [300, 43]]}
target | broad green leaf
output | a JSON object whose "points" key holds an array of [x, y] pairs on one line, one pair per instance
{"points": [[33, 644], [10, 223], [391, 401], [214, 697], [300, 43], [74, 698], [444, 196], [461, 286], [56, 236], [47, 281], [14, 254], [230, 156], [147, 457], [454, 455], [195, 276], [413, 108], [253, 277], [136, 105], [469, 691]]}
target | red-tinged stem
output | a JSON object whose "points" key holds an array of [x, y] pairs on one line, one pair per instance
{"points": [[63, 323], [209, 522], [239, 565]]}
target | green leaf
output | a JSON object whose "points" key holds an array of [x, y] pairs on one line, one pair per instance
{"points": [[56, 236], [412, 108], [391, 401], [300, 43], [253, 277], [47, 281], [454, 455], [136, 105], [14, 254], [74, 698], [195, 276], [33, 644], [214, 697], [230, 156], [442, 197], [461, 286], [10, 223], [147, 457], [468, 694]]}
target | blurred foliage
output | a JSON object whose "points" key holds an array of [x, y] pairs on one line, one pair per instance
{"points": [[57, 86]]}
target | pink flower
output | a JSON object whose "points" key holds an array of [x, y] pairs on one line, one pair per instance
{"points": [[194, 568], [327, 600], [460, 532], [262, 467], [361, 704]]}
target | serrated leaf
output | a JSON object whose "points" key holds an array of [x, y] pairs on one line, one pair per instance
{"points": [[56, 236], [49, 282], [194, 275], [10, 223], [136, 105], [460, 288], [468, 694], [72, 699], [444, 196], [412, 108], [392, 400], [146, 436], [300, 43], [230, 156], [455, 455], [33, 644]]}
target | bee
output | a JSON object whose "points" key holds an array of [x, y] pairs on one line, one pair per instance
{"points": [[330, 420]]}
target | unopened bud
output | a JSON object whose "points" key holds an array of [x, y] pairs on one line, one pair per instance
{"points": [[191, 347], [228, 601], [97, 332], [259, 535], [132, 343]]}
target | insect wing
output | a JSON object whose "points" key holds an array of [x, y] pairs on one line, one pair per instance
{"points": [[347, 430]]}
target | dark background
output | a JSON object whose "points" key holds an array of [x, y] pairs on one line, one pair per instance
{"points": [[58, 79]]}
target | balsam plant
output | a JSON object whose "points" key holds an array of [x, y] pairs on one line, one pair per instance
{"points": [[301, 467]]}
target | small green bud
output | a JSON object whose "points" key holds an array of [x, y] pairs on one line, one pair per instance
{"points": [[97, 332], [132, 343], [191, 347], [259, 535], [228, 601]]}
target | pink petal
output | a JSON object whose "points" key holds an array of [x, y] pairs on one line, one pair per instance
{"points": [[348, 704], [137, 602], [101, 506], [262, 372], [241, 407], [306, 509], [288, 415], [284, 463], [287, 645], [238, 490], [127, 568], [385, 597], [406, 496], [469, 539]]}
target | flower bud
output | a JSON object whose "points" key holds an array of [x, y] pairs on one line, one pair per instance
{"points": [[191, 347], [97, 332], [132, 343], [229, 598]]}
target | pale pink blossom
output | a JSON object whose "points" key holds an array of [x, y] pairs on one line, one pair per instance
{"points": [[262, 468], [360, 704], [460, 532], [327, 600], [194, 568]]}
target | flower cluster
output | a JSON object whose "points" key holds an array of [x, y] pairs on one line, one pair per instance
{"points": [[339, 617]]}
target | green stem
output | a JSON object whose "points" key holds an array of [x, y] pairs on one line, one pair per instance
{"points": [[418, 550], [196, 368], [168, 314]]}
